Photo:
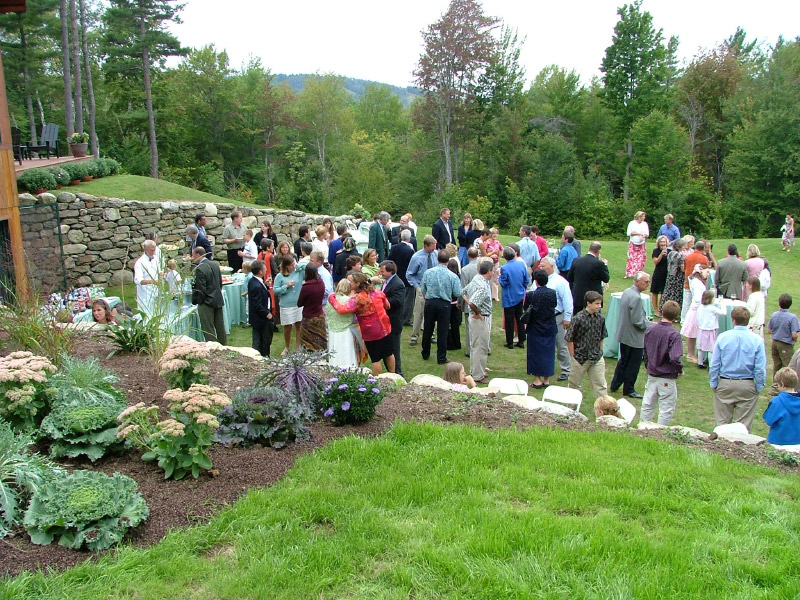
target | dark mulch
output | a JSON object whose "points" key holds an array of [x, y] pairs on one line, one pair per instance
{"points": [[178, 504]]}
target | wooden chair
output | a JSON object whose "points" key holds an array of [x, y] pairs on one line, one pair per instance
{"points": [[20, 151], [48, 142]]}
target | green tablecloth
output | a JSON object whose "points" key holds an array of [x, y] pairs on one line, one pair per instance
{"points": [[235, 309], [610, 344], [725, 321]]}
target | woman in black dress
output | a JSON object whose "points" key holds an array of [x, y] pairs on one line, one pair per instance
{"points": [[541, 331], [673, 288], [454, 333], [659, 279]]}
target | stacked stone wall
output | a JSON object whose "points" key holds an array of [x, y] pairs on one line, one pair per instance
{"points": [[102, 236]]}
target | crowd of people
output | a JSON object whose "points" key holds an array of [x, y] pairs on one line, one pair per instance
{"points": [[355, 305]]}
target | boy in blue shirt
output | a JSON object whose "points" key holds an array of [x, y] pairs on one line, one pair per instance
{"points": [[784, 328], [783, 413]]}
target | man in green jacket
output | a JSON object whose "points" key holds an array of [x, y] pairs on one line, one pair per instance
{"points": [[207, 295]]}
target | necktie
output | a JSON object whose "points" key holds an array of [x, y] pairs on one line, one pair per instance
{"points": [[430, 260]]}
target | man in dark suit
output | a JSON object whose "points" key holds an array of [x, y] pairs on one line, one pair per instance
{"points": [[207, 295], [379, 236], [442, 230], [198, 239], [630, 332], [401, 254], [397, 229], [588, 273], [395, 292], [304, 236], [259, 305]]}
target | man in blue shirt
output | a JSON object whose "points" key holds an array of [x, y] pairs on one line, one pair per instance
{"points": [[669, 230], [738, 371], [441, 287], [564, 308], [421, 261], [514, 281], [528, 250], [566, 255]]}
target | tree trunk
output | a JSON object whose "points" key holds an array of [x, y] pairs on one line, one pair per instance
{"points": [[41, 108], [26, 78], [444, 131], [268, 167], [148, 97], [69, 117], [87, 65], [76, 66], [626, 183]]}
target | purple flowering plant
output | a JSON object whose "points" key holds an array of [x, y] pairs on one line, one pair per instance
{"points": [[351, 397]]}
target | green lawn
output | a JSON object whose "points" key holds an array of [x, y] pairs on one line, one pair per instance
{"points": [[455, 512], [695, 397]]}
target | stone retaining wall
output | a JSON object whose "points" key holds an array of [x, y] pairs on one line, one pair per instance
{"points": [[102, 236]]}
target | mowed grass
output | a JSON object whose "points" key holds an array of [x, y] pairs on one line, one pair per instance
{"points": [[455, 512], [695, 397], [144, 189]]}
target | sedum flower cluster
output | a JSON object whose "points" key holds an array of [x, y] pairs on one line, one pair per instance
{"points": [[23, 388], [179, 443], [184, 363]]}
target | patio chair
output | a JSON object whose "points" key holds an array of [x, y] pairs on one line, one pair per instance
{"points": [[48, 142], [510, 386], [562, 395], [20, 151]]}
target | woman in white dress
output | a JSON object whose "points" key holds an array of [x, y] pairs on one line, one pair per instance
{"points": [[341, 338], [755, 304]]}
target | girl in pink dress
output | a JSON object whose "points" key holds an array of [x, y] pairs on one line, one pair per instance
{"points": [[707, 325], [690, 330]]}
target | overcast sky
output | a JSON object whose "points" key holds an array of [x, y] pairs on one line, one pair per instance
{"points": [[381, 41]]}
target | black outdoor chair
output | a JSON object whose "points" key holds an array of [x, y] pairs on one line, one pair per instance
{"points": [[20, 151], [48, 142]]}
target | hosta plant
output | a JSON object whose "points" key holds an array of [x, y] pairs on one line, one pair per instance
{"points": [[86, 427], [263, 415], [351, 396], [299, 374], [179, 444], [24, 389], [22, 473], [184, 363], [85, 508]]}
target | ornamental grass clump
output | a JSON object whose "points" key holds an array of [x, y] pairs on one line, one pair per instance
{"points": [[299, 374], [24, 389], [351, 396], [85, 508], [184, 363], [22, 473], [178, 444], [263, 415]]}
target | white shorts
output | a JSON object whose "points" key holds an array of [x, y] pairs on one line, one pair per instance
{"points": [[291, 314]]}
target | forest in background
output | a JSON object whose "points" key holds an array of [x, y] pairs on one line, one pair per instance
{"points": [[715, 141]]}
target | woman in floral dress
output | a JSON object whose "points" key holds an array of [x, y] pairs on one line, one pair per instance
{"points": [[673, 288]]}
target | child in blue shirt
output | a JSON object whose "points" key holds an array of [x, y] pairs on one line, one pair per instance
{"points": [[783, 413]]}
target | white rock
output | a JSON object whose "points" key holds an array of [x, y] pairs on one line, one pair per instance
{"points": [[250, 222], [431, 381], [650, 425], [487, 391], [693, 433], [210, 209], [214, 346], [612, 422], [794, 448], [398, 380], [737, 432], [528, 402]]}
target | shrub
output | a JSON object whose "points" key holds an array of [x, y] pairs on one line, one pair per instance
{"points": [[132, 335], [351, 396], [36, 179], [62, 177], [785, 458], [263, 415], [76, 170], [85, 508], [178, 444], [78, 138], [112, 166], [359, 211], [30, 326], [98, 167], [22, 473], [24, 389], [184, 363], [297, 373]]}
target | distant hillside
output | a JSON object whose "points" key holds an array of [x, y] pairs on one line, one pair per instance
{"points": [[354, 86]]}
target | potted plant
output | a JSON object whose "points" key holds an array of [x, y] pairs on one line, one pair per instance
{"points": [[62, 177], [37, 181], [76, 171], [78, 143]]}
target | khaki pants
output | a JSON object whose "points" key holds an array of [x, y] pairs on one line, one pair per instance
{"points": [[735, 401], [781, 355], [597, 375], [661, 391], [478, 346], [419, 310]]}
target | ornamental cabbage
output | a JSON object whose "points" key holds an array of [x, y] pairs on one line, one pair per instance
{"points": [[88, 427], [85, 508]]}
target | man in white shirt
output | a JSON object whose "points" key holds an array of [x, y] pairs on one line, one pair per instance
{"points": [[146, 275], [564, 308]]}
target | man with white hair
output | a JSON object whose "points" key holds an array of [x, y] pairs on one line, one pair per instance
{"points": [[196, 238], [632, 326], [146, 275], [379, 236], [564, 308]]}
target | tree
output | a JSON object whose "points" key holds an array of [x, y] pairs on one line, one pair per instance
{"points": [[87, 65], [137, 30], [458, 49], [69, 114], [76, 65], [378, 110], [637, 69]]}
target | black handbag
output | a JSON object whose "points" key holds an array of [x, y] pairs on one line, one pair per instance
{"points": [[527, 314]]}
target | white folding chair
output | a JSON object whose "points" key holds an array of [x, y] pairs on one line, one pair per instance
{"points": [[563, 395], [626, 410], [510, 386]]}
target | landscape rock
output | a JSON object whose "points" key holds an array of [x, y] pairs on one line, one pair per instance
{"points": [[737, 432], [121, 277], [431, 381], [612, 422], [647, 425], [398, 380], [693, 433]]}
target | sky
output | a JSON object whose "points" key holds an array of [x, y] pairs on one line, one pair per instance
{"points": [[381, 41]]}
